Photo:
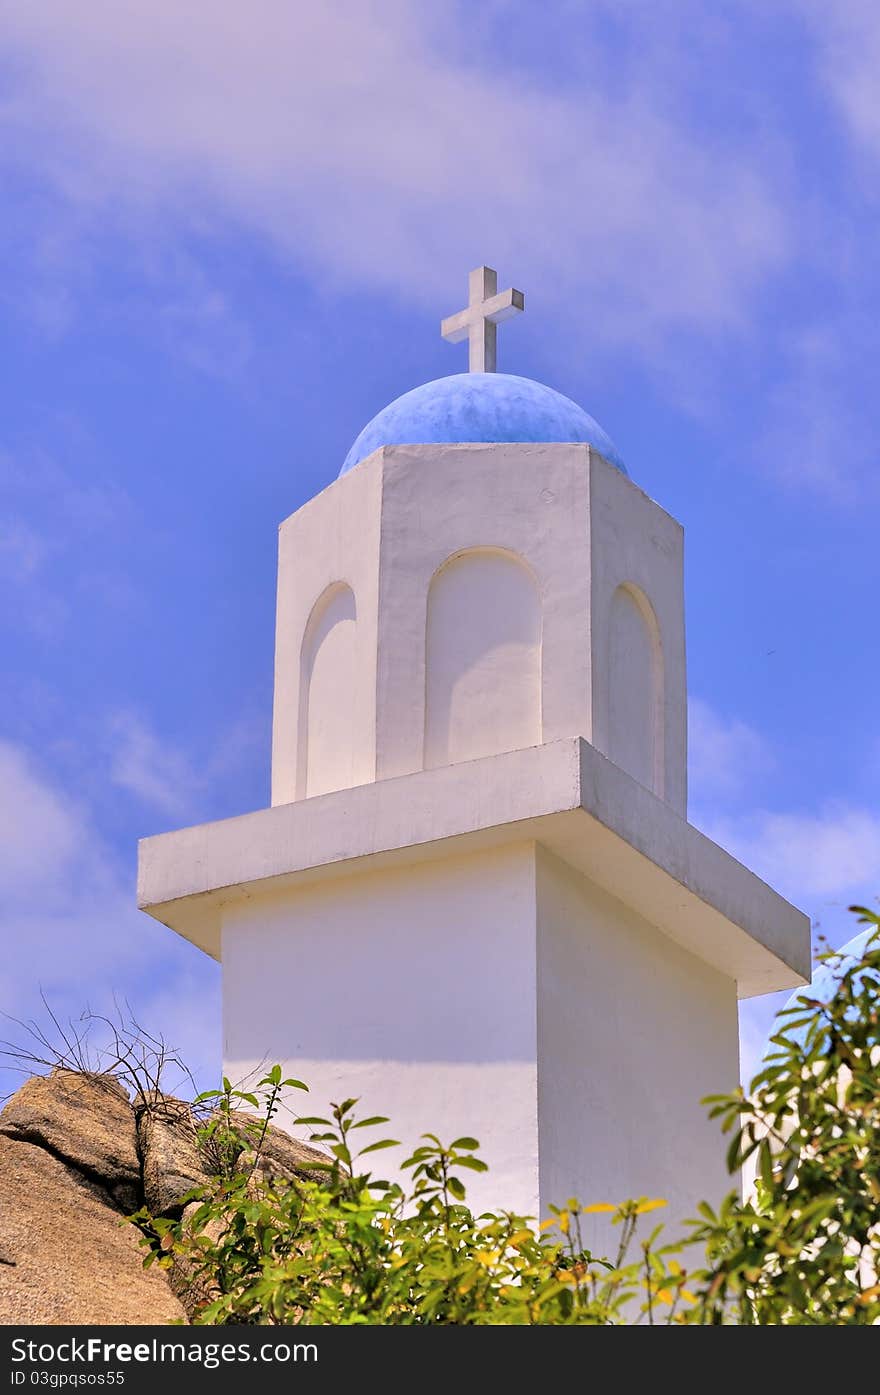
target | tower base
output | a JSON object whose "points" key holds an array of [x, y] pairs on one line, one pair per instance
{"points": [[498, 994], [528, 948]]}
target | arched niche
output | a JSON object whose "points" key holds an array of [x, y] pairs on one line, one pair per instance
{"points": [[635, 688], [483, 658], [327, 694]]}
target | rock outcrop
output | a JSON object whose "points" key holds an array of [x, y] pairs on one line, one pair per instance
{"points": [[68, 1254], [77, 1156], [86, 1121], [168, 1145]]}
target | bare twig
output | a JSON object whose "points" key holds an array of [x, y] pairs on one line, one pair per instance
{"points": [[98, 1044]]}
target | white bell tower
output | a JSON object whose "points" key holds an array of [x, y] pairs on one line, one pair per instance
{"points": [[475, 901]]}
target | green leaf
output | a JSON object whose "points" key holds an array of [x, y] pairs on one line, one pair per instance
{"points": [[368, 1123], [765, 1165], [383, 1143], [466, 1143]]}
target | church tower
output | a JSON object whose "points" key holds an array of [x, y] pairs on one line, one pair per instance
{"points": [[475, 901]]}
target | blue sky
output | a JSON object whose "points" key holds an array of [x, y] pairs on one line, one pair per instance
{"points": [[229, 234]]}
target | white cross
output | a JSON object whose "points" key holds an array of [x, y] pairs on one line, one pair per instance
{"points": [[477, 324]]}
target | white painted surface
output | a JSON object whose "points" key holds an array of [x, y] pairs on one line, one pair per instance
{"points": [[486, 308], [498, 995], [483, 676], [637, 544], [565, 795], [332, 539], [438, 501], [413, 989], [328, 693], [635, 684], [578, 526], [633, 1031], [529, 945]]}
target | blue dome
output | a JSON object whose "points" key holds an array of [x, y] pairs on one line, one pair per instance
{"points": [[825, 981], [472, 407]]}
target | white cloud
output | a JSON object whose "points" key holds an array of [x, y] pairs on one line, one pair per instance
{"points": [[67, 904], [148, 767], [847, 36], [369, 141], [832, 854], [822, 861], [162, 776], [53, 515], [725, 755], [69, 925], [815, 434], [40, 832]]}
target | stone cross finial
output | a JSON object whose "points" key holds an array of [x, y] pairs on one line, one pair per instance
{"points": [[485, 309]]}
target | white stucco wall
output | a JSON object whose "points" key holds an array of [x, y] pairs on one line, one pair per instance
{"points": [[483, 658], [565, 795], [635, 689], [437, 501], [404, 934], [636, 544], [633, 1031], [413, 989], [451, 658], [328, 718], [499, 994], [332, 540]]}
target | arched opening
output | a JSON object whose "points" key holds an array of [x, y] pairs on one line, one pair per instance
{"points": [[327, 694], [483, 658], [635, 693]]}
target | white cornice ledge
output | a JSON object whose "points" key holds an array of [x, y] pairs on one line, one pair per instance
{"points": [[564, 795]]}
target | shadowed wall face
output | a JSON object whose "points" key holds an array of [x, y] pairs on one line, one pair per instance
{"points": [[635, 689], [483, 691], [327, 694]]}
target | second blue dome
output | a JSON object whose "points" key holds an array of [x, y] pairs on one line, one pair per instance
{"points": [[477, 407]]}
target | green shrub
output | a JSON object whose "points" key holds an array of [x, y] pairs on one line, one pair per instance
{"points": [[806, 1248], [352, 1248]]}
